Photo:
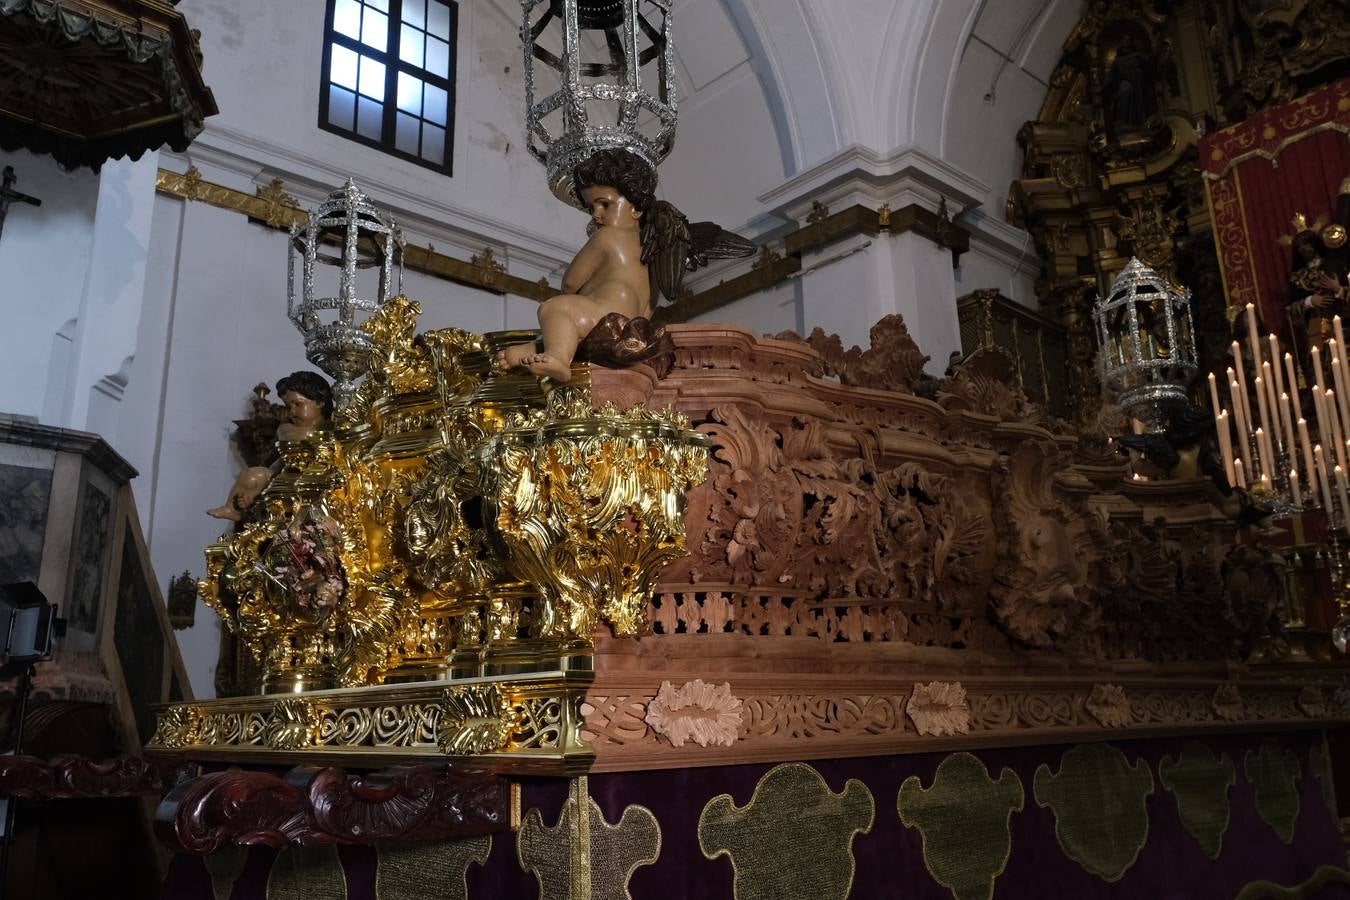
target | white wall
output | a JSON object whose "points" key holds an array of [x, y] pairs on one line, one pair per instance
{"points": [[44, 255]]}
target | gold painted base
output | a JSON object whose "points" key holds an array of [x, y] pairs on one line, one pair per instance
{"points": [[527, 724]]}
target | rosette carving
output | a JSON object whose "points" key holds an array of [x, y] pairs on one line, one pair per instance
{"points": [[475, 718]]}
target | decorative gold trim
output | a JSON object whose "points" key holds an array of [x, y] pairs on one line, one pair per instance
{"points": [[529, 723], [274, 208]]}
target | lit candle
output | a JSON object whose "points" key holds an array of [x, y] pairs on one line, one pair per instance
{"points": [[1225, 445], [1263, 433], [1307, 454], [1241, 479], [1275, 363], [1342, 391], [1293, 385], [1322, 480], [1287, 419], [1274, 400], [1336, 327], [1214, 395], [1242, 425], [1252, 340], [1342, 493], [1316, 355], [1329, 404], [1293, 487], [1263, 447]]}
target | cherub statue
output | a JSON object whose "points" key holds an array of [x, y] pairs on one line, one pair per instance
{"points": [[309, 406], [639, 246]]}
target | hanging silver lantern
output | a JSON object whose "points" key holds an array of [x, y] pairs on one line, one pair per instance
{"points": [[613, 65], [1147, 344], [348, 232]]}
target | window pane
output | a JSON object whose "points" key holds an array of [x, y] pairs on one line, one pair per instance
{"points": [[410, 46], [341, 108], [372, 78], [415, 12], [433, 144], [438, 19], [409, 93], [342, 69], [434, 108], [347, 18], [438, 57], [382, 5], [375, 30], [406, 138], [370, 118]]}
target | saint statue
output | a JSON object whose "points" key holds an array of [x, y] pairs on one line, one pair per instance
{"points": [[1128, 94], [1318, 273]]}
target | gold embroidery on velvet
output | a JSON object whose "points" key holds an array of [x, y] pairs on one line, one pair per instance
{"points": [[1097, 798], [793, 839], [307, 873], [964, 820], [1200, 784], [591, 859], [225, 866], [417, 871], [1272, 771], [1269, 890]]}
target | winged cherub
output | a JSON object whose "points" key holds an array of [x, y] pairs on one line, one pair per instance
{"points": [[639, 246]]}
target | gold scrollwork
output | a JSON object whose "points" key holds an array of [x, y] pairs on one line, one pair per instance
{"points": [[474, 719]]}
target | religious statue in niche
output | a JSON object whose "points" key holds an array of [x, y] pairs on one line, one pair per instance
{"points": [[309, 407], [1318, 273], [639, 246], [1129, 90]]}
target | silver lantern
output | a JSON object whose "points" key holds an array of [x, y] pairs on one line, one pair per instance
{"points": [[613, 65], [348, 232], [1147, 344]]}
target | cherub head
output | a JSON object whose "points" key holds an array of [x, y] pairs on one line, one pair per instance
{"points": [[308, 399], [615, 186]]}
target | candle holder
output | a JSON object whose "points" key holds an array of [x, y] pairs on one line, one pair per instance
{"points": [[367, 238]]}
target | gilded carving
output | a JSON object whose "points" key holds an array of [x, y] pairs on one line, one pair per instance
{"points": [[939, 708], [177, 727], [474, 719], [1227, 703], [293, 725], [706, 714]]}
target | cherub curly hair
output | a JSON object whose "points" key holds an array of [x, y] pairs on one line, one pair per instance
{"points": [[311, 385], [626, 172]]}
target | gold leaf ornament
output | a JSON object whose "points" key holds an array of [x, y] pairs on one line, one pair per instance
{"points": [[475, 718]]}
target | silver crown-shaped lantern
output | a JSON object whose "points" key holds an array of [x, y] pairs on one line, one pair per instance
{"points": [[1147, 344], [350, 233], [613, 65]]}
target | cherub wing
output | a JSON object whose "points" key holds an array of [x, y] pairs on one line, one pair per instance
{"points": [[665, 246], [671, 246], [708, 240]]}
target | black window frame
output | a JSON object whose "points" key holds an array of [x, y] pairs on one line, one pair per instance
{"points": [[393, 64]]}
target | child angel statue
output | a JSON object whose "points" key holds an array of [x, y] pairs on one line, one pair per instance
{"points": [[639, 247]]}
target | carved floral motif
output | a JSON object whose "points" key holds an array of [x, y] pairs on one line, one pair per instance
{"points": [[695, 711], [1108, 704], [939, 708], [1227, 703]]}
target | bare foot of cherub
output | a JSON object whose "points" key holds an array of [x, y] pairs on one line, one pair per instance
{"points": [[524, 356]]}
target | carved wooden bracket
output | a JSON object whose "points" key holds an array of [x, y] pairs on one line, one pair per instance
{"points": [[68, 776], [310, 806]]}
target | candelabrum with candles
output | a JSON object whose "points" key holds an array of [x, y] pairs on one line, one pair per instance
{"points": [[1269, 446]]}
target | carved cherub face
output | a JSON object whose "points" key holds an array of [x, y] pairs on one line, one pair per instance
{"points": [[609, 208], [301, 411]]}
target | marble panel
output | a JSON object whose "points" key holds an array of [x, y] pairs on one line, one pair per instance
{"points": [[24, 495], [93, 525]]}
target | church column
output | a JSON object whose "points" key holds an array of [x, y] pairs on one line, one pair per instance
{"points": [[110, 309], [904, 266]]}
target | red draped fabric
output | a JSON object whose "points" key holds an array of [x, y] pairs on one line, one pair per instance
{"points": [[1284, 160]]}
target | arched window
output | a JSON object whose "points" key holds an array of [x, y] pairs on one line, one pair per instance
{"points": [[389, 77]]}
